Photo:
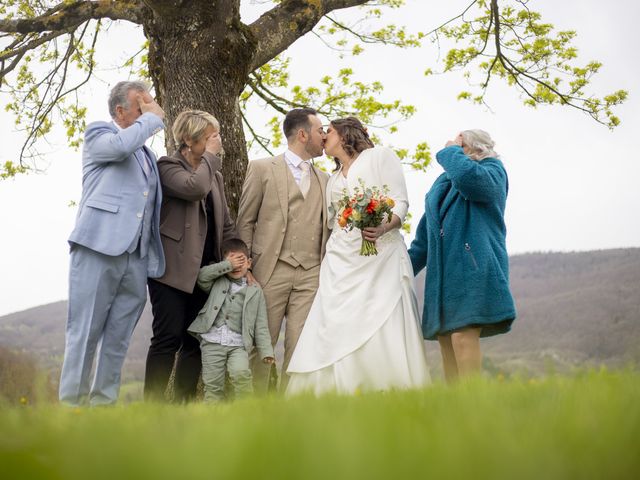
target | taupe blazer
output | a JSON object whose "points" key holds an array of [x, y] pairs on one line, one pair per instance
{"points": [[183, 218], [264, 211]]}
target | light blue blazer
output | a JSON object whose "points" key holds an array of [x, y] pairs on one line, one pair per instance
{"points": [[115, 189]]}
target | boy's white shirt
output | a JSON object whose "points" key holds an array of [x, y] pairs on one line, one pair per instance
{"points": [[224, 335]]}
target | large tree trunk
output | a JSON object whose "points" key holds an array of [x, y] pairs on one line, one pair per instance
{"points": [[197, 63]]}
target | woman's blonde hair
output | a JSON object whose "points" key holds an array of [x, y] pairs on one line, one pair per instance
{"points": [[192, 124], [480, 144]]}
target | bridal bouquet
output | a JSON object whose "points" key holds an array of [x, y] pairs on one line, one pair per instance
{"points": [[366, 208]]}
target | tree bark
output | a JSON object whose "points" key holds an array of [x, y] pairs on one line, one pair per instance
{"points": [[197, 61], [200, 57]]}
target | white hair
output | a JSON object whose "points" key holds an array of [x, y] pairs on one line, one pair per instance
{"points": [[118, 95], [479, 143]]}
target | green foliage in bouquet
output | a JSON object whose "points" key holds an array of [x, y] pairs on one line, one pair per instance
{"points": [[367, 207]]}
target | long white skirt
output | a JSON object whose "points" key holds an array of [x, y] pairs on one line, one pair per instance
{"points": [[362, 332]]}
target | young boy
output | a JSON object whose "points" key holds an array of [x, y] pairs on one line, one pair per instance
{"points": [[233, 319]]}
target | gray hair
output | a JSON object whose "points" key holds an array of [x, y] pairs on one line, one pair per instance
{"points": [[479, 143], [119, 94]]}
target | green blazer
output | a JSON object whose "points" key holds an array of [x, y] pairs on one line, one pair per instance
{"points": [[254, 327]]}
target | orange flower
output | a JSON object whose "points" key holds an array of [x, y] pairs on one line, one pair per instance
{"points": [[373, 204], [346, 213], [342, 222]]}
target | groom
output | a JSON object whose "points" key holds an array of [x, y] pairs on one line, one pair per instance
{"points": [[282, 219]]}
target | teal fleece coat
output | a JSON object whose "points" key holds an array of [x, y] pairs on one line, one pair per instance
{"points": [[252, 325], [461, 241]]}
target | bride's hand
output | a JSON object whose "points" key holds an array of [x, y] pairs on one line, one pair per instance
{"points": [[373, 233]]}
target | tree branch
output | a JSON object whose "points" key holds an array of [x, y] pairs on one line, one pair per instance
{"points": [[12, 52], [516, 73], [262, 141], [278, 28], [269, 97], [65, 16], [56, 89], [437, 29]]}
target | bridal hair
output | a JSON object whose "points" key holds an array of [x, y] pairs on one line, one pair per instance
{"points": [[295, 120], [479, 143], [119, 94], [354, 135], [192, 124]]}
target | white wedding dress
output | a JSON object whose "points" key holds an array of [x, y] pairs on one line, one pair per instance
{"points": [[362, 332]]}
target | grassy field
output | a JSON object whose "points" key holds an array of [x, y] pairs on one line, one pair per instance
{"points": [[585, 427]]}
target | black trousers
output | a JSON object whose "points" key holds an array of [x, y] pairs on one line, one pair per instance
{"points": [[173, 312]]}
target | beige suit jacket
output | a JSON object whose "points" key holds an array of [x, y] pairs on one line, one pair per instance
{"points": [[264, 211]]}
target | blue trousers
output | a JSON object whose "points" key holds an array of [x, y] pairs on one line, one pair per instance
{"points": [[106, 297]]}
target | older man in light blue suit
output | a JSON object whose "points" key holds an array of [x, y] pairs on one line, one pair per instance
{"points": [[115, 245]]}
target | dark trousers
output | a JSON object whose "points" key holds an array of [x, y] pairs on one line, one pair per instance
{"points": [[173, 312]]}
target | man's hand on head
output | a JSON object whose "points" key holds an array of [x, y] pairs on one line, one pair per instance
{"points": [[148, 104]]}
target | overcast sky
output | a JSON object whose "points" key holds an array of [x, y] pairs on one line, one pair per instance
{"points": [[573, 183]]}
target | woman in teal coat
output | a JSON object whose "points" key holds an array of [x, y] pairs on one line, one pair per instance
{"points": [[461, 242]]}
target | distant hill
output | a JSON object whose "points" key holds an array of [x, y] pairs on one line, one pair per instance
{"points": [[574, 309]]}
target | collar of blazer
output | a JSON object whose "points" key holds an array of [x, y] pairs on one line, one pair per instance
{"points": [[281, 173], [215, 163], [182, 160], [251, 290]]}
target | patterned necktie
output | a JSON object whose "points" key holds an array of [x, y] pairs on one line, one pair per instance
{"points": [[305, 179]]}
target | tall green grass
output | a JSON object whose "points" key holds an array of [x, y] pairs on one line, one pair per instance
{"points": [[583, 427]]}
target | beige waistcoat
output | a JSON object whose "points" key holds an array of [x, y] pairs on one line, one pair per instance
{"points": [[303, 239]]}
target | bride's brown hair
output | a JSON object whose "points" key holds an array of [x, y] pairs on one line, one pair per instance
{"points": [[354, 135]]}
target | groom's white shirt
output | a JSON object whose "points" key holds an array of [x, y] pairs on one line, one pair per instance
{"points": [[293, 161]]}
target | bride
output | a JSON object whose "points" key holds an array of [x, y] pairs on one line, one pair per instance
{"points": [[362, 333]]}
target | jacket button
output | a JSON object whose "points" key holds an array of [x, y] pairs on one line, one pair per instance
{"points": [[224, 291], [146, 194], [139, 215], [215, 307], [187, 225]]}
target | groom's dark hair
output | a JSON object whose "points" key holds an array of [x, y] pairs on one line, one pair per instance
{"points": [[296, 119]]}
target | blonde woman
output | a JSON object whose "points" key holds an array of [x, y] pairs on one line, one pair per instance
{"points": [[194, 222], [461, 242]]}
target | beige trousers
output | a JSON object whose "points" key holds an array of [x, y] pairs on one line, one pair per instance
{"points": [[289, 293]]}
